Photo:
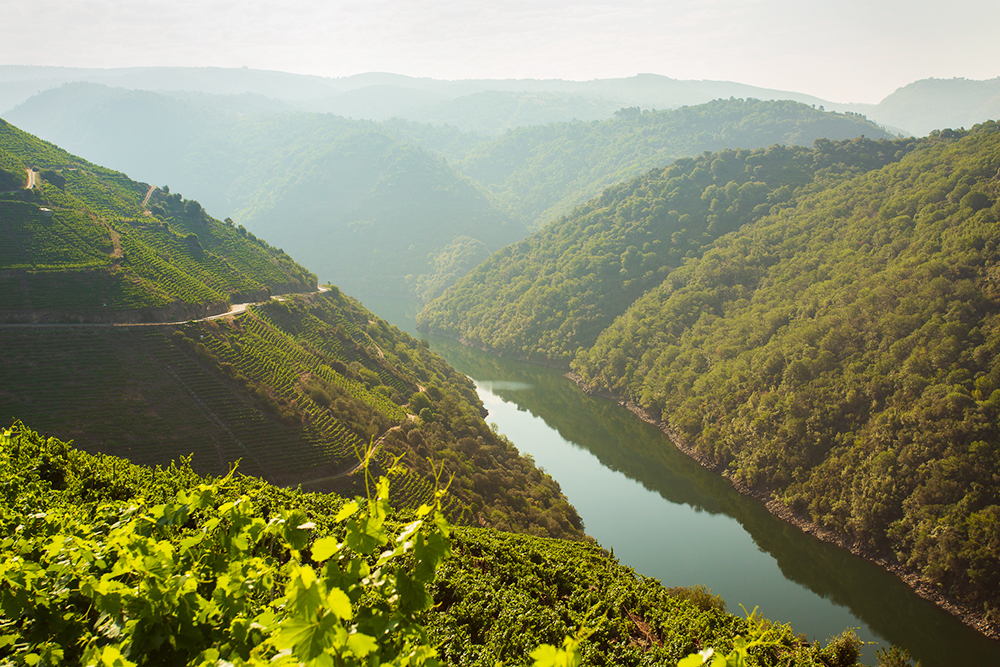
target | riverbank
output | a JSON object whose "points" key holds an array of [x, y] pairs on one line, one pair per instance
{"points": [[971, 617]]}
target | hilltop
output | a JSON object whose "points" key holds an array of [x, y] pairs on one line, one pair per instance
{"points": [[543, 172], [552, 293]]}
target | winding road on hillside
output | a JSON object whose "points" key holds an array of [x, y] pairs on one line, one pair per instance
{"points": [[234, 309], [149, 193]]}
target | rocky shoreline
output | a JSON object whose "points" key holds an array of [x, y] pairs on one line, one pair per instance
{"points": [[972, 618]]}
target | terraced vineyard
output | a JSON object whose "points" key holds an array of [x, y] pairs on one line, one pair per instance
{"points": [[293, 374], [299, 389], [79, 246]]}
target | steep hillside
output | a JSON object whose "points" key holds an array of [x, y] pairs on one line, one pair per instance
{"points": [[361, 207], [544, 171], [298, 387], [547, 296], [79, 245], [842, 356], [360, 204], [112, 562]]}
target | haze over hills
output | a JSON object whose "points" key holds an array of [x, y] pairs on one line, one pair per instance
{"points": [[363, 206], [641, 290], [936, 104], [542, 172], [462, 103], [359, 202]]}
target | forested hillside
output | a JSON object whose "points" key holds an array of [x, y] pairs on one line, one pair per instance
{"points": [[544, 171], [547, 296], [826, 336], [843, 356], [108, 562], [81, 245]]}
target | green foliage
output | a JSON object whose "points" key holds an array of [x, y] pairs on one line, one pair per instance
{"points": [[194, 580], [543, 298], [453, 262], [108, 563], [522, 600], [841, 354], [85, 248], [544, 171], [297, 390]]}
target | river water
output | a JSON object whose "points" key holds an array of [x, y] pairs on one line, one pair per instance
{"points": [[669, 518]]}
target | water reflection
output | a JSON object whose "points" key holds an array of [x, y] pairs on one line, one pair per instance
{"points": [[669, 518], [862, 594], [497, 386]]}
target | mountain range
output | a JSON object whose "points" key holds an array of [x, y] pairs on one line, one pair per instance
{"points": [[492, 106]]}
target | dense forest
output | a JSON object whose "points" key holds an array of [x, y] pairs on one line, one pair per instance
{"points": [[544, 171], [111, 563], [834, 350], [545, 297], [842, 355]]}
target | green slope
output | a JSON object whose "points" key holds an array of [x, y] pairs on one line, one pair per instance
{"points": [[362, 208], [359, 203], [81, 246], [841, 356], [549, 295], [106, 561], [544, 171], [297, 387]]}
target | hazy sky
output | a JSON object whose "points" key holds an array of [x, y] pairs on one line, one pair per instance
{"points": [[841, 50]]}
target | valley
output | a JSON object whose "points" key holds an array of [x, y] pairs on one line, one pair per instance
{"points": [[801, 303]]}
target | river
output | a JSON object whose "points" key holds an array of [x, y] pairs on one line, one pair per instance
{"points": [[669, 518]]}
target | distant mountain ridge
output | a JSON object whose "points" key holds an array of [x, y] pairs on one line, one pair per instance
{"points": [[379, 96], [937, 104], [544, 171]]}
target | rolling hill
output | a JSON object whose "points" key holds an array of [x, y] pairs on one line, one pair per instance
{"points": [[550, 295], [543, 172]]}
